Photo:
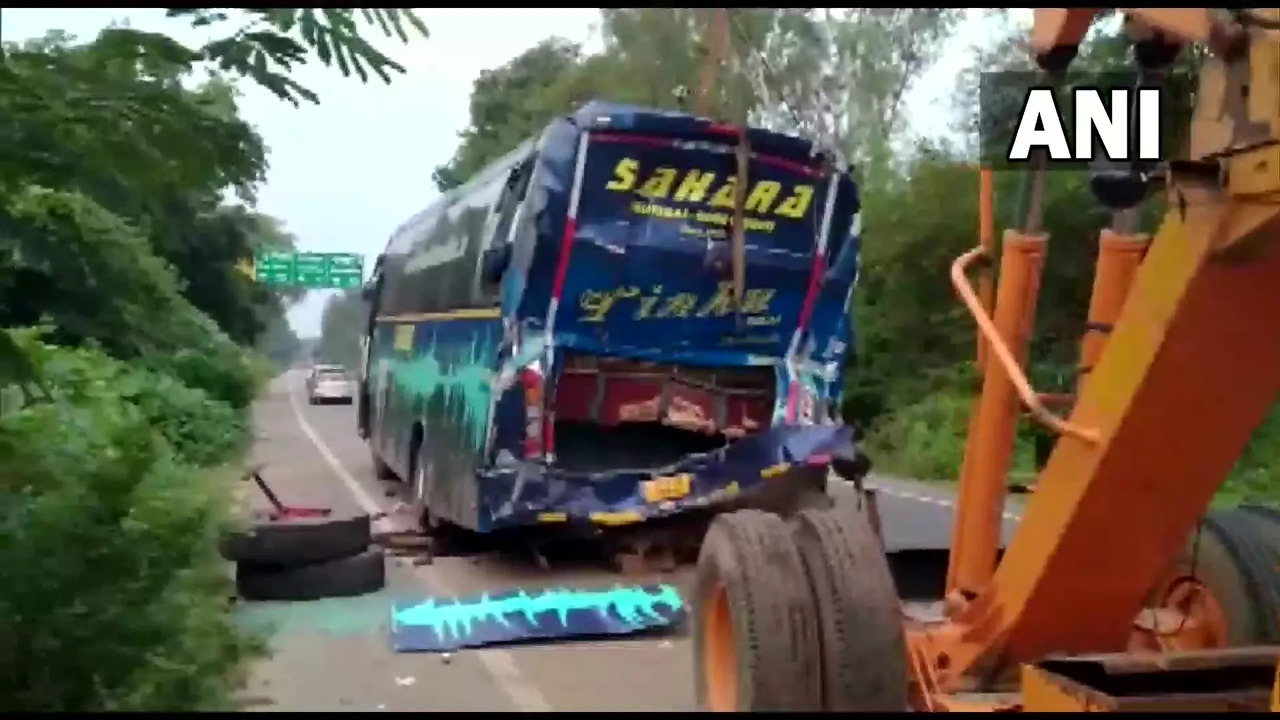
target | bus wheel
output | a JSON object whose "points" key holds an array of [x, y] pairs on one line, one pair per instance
{"points": [[864, 664], [754, 625], [381, 470], [422, 473]]}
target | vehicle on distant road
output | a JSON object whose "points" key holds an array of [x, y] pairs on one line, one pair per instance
{"points": [[329, 384], [600, 328]]}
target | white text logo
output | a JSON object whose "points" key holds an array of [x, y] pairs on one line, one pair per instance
{"points": [[1124, 126]]}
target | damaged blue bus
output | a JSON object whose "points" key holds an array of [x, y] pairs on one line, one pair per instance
{"points": [[632, 315]]}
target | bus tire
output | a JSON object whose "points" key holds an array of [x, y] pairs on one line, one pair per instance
{"points": [[296, 542], [863, 649], [381, 470], [1233, 559], [359, 574], [754, 625]]}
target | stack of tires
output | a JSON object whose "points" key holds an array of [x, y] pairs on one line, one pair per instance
{"points": [[305, 559]]}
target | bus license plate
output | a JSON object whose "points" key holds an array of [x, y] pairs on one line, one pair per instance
{"points": [[672, 487]]}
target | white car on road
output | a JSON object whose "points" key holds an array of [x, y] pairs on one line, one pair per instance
{"points": [[329, 383]]}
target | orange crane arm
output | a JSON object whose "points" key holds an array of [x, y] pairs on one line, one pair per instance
{"points": [[1056, 27], [1191, 366]]}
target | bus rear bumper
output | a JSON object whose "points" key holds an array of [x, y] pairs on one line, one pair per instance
{"points": [[786, 458]]}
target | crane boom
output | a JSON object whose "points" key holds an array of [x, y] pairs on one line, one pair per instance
{"points": [[1139, 459]]}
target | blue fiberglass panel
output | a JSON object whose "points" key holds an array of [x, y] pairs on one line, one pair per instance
{"points": [[442, 625]]}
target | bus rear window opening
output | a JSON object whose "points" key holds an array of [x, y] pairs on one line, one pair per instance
{"points": [[615, 413]]}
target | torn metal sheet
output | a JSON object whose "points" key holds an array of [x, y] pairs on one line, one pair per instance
{"points": [[443, 625]]}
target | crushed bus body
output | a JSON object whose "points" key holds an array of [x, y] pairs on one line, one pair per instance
{"points": [[561, 339]]}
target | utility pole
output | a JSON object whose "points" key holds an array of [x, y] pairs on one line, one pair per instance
{"points": [[714, 40]]}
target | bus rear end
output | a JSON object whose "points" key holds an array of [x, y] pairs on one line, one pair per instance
{"points": [[659, 386]]}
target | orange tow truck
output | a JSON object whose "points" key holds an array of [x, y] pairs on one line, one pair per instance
{"points": [[1120, 590]]}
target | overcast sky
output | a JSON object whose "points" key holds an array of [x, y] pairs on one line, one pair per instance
{"points": [[345, 173]]}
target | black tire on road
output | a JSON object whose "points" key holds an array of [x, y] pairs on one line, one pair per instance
{"points": [[346, 577], [864, 663], [294, 542], [750, 585]]}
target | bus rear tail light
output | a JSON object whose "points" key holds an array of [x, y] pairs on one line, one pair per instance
{"points": [[538, 437], [802, 405]]}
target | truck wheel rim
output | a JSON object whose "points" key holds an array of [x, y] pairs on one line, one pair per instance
{"points": [[719, 661], [1205, 626], [1197, 603]]}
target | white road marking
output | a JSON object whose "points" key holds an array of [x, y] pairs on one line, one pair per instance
{"points": [[500, 663], [931, 499]]}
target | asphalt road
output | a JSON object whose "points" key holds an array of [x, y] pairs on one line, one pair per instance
{"points": [[335, 655]]}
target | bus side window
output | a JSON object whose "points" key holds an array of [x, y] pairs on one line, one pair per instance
{"points": [[517, 186], [371, 292], [496, 257]]}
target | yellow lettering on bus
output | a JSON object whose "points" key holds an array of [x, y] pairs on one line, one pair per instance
{"points": [[724, 196], [624, 175], [595, 305], [755, 301], [679, 305], [647, 304], [795, 206], [694, 187], [698, 186], [658, 184], [762, 196], [721, 303]]}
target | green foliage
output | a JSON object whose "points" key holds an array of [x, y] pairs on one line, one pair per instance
{"points": [[113, 120], [270, 43], [279, 345], [114, 596], [159, 161], [509, 104], [206, 252], [101, 282], [202, 431], [924, 439], [1256, 475], [341, 326], [117, 413]]}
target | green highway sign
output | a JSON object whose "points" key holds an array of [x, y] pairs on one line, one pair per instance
{"points": [[346, 271], [311, 269], [308, 270]]}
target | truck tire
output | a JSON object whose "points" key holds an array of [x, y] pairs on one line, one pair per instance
{"points": [[1233, 559], [346, 577], [294, 542], [864, 663], [755, 628], [1251, 536]]}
